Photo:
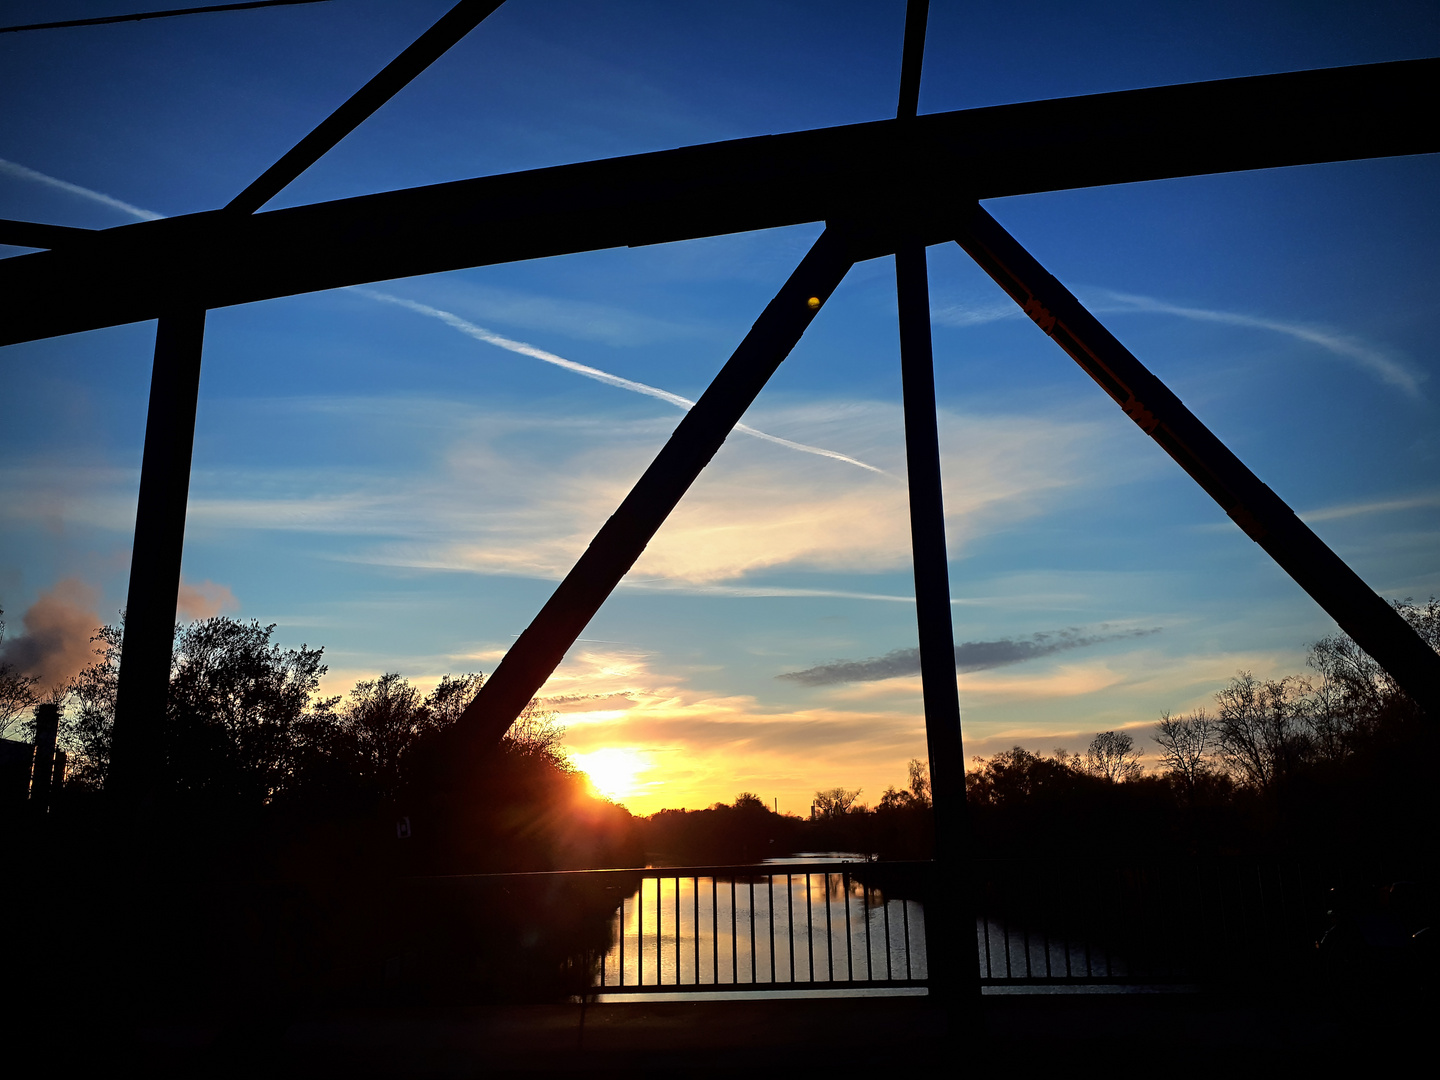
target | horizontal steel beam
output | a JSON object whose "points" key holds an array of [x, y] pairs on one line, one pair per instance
{"points": [[899, 174], [33, 234]]}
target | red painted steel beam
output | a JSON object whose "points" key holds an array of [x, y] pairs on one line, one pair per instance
{"points": [[622, 539], [1265, 518], [903, 171]]}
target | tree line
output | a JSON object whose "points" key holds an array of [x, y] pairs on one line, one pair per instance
{"points": [[1336, 763], [249, 743], [900, 826]]}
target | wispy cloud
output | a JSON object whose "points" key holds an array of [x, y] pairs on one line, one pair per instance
{"points": [[522, 494], [973, 314], [969, 656], [479, 333], [583, 320], [1370, 358], [1379, 506], [22, 172], [1376, 361]]}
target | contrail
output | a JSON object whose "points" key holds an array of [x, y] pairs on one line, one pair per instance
{"points": [[75, 189], [1372, 359], [525, 349]]}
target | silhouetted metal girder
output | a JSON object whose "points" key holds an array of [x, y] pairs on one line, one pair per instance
{"points": [[144, 677], [1374, 625], [623, 538], [903, 172]]}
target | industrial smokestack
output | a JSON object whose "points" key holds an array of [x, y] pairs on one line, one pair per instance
{"points": [[47, 727]]}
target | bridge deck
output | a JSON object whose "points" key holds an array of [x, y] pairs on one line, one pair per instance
{"points": [[721, 1037]]}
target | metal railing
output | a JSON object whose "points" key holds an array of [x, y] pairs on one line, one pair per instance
{"points": [[825, 925], [796, 926], [1159, 922]]}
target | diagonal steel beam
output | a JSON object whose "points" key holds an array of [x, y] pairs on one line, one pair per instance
{"points": [[424, 51], [916, 166], [539, 650], [1369, 620], [912, 57]]}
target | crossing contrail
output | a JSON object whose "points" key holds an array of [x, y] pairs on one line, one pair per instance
{"points": [[479, 333]]}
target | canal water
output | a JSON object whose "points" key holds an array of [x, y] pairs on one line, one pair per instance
{"points": [[814, 928], [826, 932]]}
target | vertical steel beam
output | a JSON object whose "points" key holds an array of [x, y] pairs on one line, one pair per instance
{"points": [[954, 967], [1265, 518], [155, 560], [539, 650]]}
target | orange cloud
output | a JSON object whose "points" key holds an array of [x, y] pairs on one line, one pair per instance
{"points": [[204, 600], [58, 627]]}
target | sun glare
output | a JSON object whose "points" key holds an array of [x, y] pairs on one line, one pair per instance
{"points": [[613, 770]]}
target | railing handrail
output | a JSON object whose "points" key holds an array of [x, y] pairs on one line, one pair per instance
{"points": [[721, 870]]}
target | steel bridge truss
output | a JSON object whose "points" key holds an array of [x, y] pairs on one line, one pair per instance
{"points": [[889, 188]]}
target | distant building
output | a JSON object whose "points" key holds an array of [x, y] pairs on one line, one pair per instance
{"points": [[16, 761]]}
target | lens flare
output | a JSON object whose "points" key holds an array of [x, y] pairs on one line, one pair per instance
{"points": [[613, 771]]}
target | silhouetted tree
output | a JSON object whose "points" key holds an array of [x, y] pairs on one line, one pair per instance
{"points": [[1187, 744], [19, 693], [86, 730], [1113, 756], [1264, 726], [237, 710], [835, 802]]}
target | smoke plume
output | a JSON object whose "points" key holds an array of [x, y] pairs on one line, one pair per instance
{"points": [[58, 627]]}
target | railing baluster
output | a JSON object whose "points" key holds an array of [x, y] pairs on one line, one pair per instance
{"points": [[1046, 911], [809, 927], [849, 934], [790, 921], [715, 929], [829, 933], [869, 949], [770, 910], [734, 939], [905, 911], [640, 937], [1067, 946], [754, 952], [890, 966], [677, 929], [695, 894]]}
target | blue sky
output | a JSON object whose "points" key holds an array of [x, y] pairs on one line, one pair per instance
{"points": [[393, 484]]}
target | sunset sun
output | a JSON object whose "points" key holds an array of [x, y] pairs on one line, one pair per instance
{"points": [[613, 770]]}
